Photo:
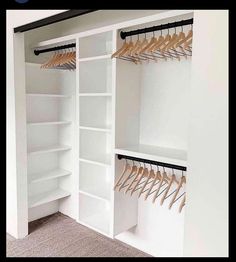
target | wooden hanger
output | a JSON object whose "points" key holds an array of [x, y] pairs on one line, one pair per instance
{"points": [[158, 178], [127, 167], [133, 171], [152, 42], [125, 44], [189, 35], [172, 180], [143, 174], [182, 180], [137, 44], [45, 65], [165, 179], [143, 44], [182, 204], [140, 170], [150, 175], [126, 49]]}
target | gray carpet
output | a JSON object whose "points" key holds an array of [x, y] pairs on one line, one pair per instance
{"points": [[61, 236]]}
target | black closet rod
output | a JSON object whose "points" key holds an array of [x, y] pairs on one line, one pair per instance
{"points": [[123, 35], [156, 163], [37, 52]]}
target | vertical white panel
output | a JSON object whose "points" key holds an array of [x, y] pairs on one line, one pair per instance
{"points": [[206, 220], [21, 139]]}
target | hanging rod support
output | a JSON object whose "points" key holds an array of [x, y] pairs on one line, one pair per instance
{"points": [[123, 34], [37, 52], [152, 162]]}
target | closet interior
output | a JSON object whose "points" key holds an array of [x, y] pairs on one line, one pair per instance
{"points": [[91, 112]]}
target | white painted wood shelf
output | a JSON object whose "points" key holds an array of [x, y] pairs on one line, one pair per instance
{"points": [[47, 197], [48, 149], [96, 192], [48, 123], [56, 173], [102, 160], [92, 58], [96, 94], [160, 154], [100, 129], [98, 222], [48, 95]]}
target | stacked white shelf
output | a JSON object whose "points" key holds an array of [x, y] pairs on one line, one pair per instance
{"points": [[49, 138], [95, 131]]}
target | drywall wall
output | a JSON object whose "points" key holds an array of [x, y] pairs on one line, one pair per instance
{"points": [[206, 226]]}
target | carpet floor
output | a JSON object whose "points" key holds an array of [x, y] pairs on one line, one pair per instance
{"points": [[60, 236]]}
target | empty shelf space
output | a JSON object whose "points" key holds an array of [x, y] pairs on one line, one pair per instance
{"points": [[97, 222], [160, 154], [95, 94], [38, 177], [102, 160], [49, 123], [48, 149], [100, 129], [94, 212], [48, 95], [91, 58], [47, 197], [95, 192]]}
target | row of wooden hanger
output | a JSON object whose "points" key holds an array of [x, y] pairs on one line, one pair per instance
{"points": [[144, 179], [172, 46], [63, 59]]}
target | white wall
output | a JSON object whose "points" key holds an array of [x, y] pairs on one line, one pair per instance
{"points": [[206, 226], [16, 212]]}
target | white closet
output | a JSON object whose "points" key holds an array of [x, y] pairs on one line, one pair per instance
{"points": [[79, 121]]}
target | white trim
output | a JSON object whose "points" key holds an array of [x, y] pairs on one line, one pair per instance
{"points": [[137, 21]]}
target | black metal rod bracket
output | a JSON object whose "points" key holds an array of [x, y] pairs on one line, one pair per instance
{"points": [[39, 51], [152, 162], [123, 34]]}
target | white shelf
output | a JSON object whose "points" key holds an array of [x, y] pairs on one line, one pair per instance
{"points": [[97, 222], [92, 58], [160, 154], [49, 123], [47, 197], [100, 129], [95, 192], [49, 95], [102, 161], [48, 149], [95, 94], [38, 177]]}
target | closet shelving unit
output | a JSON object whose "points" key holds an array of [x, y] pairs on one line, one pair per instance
{"points": [[108, 107], [50, 117], [95, 128]]}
